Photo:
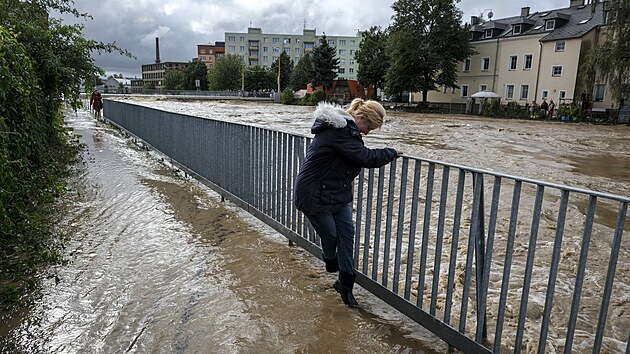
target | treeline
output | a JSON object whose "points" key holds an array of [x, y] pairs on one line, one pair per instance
{"points": [[42, 64]]}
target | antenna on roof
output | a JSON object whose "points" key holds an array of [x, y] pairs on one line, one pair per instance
{"points": [[305, 23], [250, 24]]}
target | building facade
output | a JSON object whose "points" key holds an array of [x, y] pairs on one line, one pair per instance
{"points": [[262, 49], [209, 53], [531, 57], [153, 74]]}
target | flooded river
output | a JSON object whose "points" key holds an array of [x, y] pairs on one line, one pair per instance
{"points": [[158, 264]]}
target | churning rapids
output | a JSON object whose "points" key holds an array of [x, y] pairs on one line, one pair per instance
{"points": [[158, 264]]}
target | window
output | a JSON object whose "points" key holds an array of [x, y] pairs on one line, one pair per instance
{"points": [[562, 95], [452, 89], [513, 61], [342, 52], [287, 40], [265, 59], [483, 87], [556, 70], [467, 65], [287, 50], [342, 42], [331, 42], [231, 39], [297, 50], [242, 39], [509, 92], [202, 51], [265, 40], [341, 70], [275, 40], [351, 62], [342, 61], [485, 64], [524, 92], [275, 50], [352, 42], [242, 48], [309, 45], [545, 94], [488, 33], [600, 90], [232, 48], [528, 62], [351, 52], [274, 58], [464, 90], [517, 29], [297, 40], [265, 49], [560, 45], [351, 70], [550, 25], [445, 89]]}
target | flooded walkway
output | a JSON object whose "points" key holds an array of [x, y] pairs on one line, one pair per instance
{"points": [[158, 264]]}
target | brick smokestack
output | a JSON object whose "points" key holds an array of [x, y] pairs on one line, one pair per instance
{"points": [[157, 50]]}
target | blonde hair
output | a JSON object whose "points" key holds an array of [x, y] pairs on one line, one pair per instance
{"points": [[374, 112]]}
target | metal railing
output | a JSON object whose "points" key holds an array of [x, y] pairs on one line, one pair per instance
{"points": [[487, 261]]}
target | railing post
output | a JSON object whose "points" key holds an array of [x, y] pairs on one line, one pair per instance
{"points": [[480, 256]]}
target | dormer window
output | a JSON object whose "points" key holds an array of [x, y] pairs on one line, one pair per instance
{"points": [[550, 25], [488, 33], [517, 29]]}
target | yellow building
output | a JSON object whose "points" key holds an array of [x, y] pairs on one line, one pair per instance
{"points": [[531, 57]]}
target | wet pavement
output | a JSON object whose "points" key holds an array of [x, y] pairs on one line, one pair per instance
{"points": [[158, 264]]}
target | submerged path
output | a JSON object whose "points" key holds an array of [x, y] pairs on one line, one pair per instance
{"points": [[158, 264]]}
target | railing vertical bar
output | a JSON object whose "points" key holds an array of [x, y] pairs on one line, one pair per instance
{"points": [[368, 220], [610, 277], [290, 177], [401, 223], [440, 240], [579, 278], [485, 280], [454, 245], [359, 215], [425, 234], [376, 249], [529, 265], [507, 265], [273, 173], [388, 222], [260, 157], [283, 180], [470, 251], [553, 273], [412, 228], [264, 163]]}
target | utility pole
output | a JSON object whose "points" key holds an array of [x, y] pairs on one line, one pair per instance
{"points": [[242, 79], [279, 74]]}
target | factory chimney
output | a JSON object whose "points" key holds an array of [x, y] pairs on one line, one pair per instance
{"points": [[157, 50]]}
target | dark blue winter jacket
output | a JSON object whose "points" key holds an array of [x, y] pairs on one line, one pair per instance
{"points": [[334, 158]]}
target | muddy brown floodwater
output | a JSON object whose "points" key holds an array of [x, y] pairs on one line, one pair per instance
{"points": [[159, 265]]}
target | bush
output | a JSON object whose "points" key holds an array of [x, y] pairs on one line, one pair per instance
{"points": [[317, 97], [306, 100], [287, 97]]}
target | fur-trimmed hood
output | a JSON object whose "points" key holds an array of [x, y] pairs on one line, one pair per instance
{"points": [[328, 115]]}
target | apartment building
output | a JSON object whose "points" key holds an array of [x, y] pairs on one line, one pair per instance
{"points": [[531, 57], [153, 74], [209, 53], [262, 49]]}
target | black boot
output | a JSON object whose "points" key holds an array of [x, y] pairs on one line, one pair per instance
{"points": [[332, 265], [343, 286]]}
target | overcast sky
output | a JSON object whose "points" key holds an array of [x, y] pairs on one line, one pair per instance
{"points": [[183, 24]]}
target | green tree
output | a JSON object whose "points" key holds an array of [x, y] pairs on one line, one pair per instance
{"points": [[286, 67], [372, 58], [226, 74], [302, 74], [610, 61], [196, 70], [425, 44], [325, 64], [175, 80], [41, 62], [257, 79]]}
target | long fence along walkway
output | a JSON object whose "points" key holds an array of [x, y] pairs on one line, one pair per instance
{"points": [[487, 261]]}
